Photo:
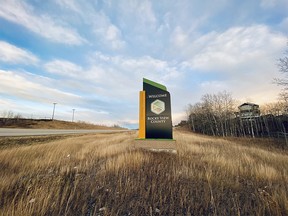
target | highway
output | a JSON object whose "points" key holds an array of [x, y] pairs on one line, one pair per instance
{"points": [[37, 132]]}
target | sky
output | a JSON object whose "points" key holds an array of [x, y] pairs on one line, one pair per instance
{"points": [[92, 56]]}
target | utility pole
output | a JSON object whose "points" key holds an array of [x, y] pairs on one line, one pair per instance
{"points": [[53, 111], [73, 115]]}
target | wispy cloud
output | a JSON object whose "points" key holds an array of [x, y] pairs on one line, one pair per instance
{"points": [[71, 5], [15, 55], [142, 11], [111, 83], [118, 73], [132, 66], [179, 38], [121, 75], [109, 34], [23, 14], [236, 48], [93, 107], [240, 59], [17, 85], [100, 24], [64, 68]]}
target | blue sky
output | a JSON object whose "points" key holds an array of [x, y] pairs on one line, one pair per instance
{"points": [[91, 56]]}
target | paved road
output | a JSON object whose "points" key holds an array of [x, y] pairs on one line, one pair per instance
{"points": [[37, 132]]}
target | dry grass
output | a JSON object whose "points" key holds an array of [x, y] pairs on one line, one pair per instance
{"points": [[103, 175], [8, 142], [48, 124]]}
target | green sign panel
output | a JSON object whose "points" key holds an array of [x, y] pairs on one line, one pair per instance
{"points": [[158, 122]]}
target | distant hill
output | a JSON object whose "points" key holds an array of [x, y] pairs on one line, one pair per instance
{"points": [[48, 124]]}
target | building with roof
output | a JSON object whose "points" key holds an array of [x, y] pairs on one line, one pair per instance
{"points": [[249, 110]]}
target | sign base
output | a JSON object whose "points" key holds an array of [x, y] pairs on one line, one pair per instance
{"points": [[158, 145]]}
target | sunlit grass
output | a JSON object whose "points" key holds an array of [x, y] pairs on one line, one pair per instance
{"points": [[103, 174]]}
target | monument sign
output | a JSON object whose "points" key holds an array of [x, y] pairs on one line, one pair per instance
{"points": [[155, 122]]}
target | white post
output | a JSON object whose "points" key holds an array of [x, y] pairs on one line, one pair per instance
{"points": [[53, 111], [73, 115]]}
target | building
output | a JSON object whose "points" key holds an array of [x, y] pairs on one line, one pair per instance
{"points": [[249, 110]]}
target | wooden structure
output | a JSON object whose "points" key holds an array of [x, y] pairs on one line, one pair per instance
{"points": [[249, 110]]}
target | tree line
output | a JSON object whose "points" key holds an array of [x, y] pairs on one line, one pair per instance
{"points": [[218, 114], [213, 115]]}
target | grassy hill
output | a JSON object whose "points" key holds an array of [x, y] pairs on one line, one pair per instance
{"points": [[47, 124], [103, 174]]}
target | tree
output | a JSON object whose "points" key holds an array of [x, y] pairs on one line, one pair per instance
{"points": [[282, 64], [7, 114], [213, 115], [274, 108]]}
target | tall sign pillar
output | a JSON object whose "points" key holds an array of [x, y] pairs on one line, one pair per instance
{"points": [[155, 122]]}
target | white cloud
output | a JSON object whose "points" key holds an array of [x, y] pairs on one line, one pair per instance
{"points": [[17, 85], [236, 48], [69, 4], [139, 11], [7, 104], [113, 35], [179, 38], [113, 76], [14, 55], [64, 68], [145, 12], [241, 60], [120, 70], [135, 20], [23, 14], [109, 33], [75, 75], [33, 95]]}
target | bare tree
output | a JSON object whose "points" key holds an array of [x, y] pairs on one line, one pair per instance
{"points": [[283, 68], [275, 108], [7, 114], [17, 116], [213, 115]]}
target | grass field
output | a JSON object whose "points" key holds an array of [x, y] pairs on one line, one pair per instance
{"points": [[102, 174], [49, 124]]}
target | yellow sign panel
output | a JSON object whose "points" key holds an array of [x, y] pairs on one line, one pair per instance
{"points": [[142, 126]]}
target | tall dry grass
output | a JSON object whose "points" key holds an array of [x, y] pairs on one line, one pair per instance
{"points": [[103, 175]]}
